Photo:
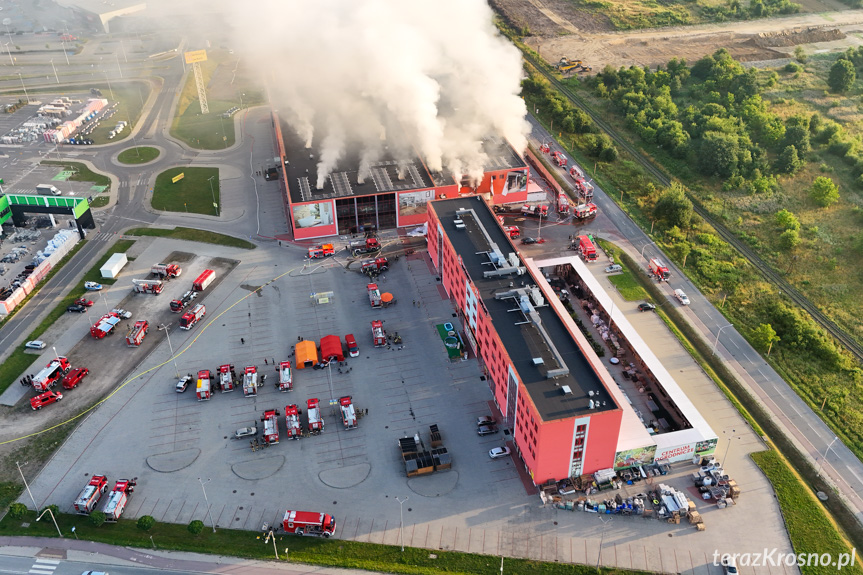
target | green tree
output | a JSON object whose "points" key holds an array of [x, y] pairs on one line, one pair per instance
{"points": [[17, 510], [797, 134], [800, 54], [764, 336], [789, 161], [195, 527], [674, 207], [146, 522], [787, 220], [719, 154], [842, 76], [97, 518], [824, 192], [682, 251], [789, 239]]}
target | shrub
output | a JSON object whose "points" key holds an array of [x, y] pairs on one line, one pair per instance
{"points": [[787, 220], [842, 76], [97, 518], [195, 527], [17, 510], [793, 67], [146, 522], [824, 192], [789, 239], [54, 509]]}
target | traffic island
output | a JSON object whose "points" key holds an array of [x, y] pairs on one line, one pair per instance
{"points": [[190, 190], [138, 155]]}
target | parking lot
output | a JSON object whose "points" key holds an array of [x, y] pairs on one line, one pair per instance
{"points": [[169, 440]]}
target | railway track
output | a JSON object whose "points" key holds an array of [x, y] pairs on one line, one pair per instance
{"points": [[763, 267]]}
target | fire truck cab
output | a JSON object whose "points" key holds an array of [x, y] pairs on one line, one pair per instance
{"points": [[89, 497], [286, 378], [513, 232], [379, 336], [309, 523]]}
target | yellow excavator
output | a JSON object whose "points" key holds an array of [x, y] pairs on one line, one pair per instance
{"points": [[566, 65]]}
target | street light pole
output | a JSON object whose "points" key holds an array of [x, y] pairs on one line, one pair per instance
{"points": [[51, 513], [63, 42], [108, 80], [716, 343], [210, 179], [119, 69], [30, 493], [208, 502], [55, 71], [821, 461], [25, 87], [728, 447], [167, 331], [605, 521], [644, 246], [9, 52], [401, 522]]}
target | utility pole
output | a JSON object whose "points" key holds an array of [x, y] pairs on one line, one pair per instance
{"points": [[30, 493], [208, 503], [55, 71], [401, 522]]}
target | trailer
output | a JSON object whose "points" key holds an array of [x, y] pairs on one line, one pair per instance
{"points": [[286, 379], [321, 251], [271, 427], [364, 246], [586, 248], [659, 270], [349, 414], [166, 271], [562, 204], [313, 413], [227, 377], [379, 336], [374, 295], [147, 286], [309, 523], [193, 316], [105, 325], [89, 497], [292, 422], [204, 280], [48, 376], [136, 335], [179, 305], [250, 381], [204, 388], [117, 499], [584, 211]]}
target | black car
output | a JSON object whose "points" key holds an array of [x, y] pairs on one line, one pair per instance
{"points": [[528, 241], [78, 308], [646, 306], [486, 429]]}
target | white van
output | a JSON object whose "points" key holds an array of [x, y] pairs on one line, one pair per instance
{"points": [[48, 189]]}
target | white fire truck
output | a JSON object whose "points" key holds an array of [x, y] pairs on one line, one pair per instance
{"points": [[193, 316], [309, 523], [378, 336], [313, 412], [349, 414], [166, 270], [89, 497], [292, 422], [147, 286], [271, 426], [286, 379], [135, 337], [250, 381], [117, 499], [204, 389], [49, 375], [227, 375]]}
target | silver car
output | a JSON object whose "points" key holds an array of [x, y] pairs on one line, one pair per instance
{"points": [[245, 432]]}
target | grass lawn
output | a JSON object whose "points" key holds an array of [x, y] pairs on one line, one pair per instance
{"points": [[139, 155], [194, 193], [329, 552], [100, 201], [629, 289], [205, 131], [194, 235], [82, 172]]}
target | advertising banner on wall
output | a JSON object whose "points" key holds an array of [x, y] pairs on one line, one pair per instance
{"points": [[634, 457], [314, 220], [686, 451], [412, 207]]}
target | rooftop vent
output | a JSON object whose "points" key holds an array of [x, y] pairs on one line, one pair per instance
{"points": [[537, 361], [566, 390]]}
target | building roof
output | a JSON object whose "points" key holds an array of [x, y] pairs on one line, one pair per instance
{"points": [[528, 331]]}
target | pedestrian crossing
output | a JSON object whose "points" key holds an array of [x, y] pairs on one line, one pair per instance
{"points": [[44, 567], [101, 237]]}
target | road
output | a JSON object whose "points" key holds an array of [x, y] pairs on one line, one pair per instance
{"points": [[811, 434]]}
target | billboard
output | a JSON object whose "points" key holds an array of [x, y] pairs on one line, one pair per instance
{"points": [[313, 215], [413, 203], [196, 56], [686, 451], [633, 457]]}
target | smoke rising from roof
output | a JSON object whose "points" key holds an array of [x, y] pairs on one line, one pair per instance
{"points": [[342, 72]]}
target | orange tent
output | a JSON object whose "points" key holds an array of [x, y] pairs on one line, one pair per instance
{"points": [[306, 353]]}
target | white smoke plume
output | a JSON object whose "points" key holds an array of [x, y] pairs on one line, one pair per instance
{"points": [[341, 71]]}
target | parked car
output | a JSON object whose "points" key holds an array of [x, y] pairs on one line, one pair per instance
{"points": [[121, 313], [35, 344], [680, 295], [487, 429], [729, 565], [646, 306], [485, 420], [613, 268], [84, 302], [498, 452], [183, 383], [528, 241], [44, 399], [245, 432], [92, 286], [353, 348], [74, 377], [76, 308]]}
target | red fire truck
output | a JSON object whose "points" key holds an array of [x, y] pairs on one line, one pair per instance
{"points": [[204, 280], [166, 270], [313, 412], [584, 189], [584, 211], [286, 379], [147, 286], [250, 381], [368, 245], [227, 376], [49, 375], [309, 523], [587, 249], [117, 499], [271, 426], [375, 266], [575, 172], [204, 388], [374, 295], [559, 159], [89, 497], [545, 148], [74, 377], [562, 204], [322, 251], [349, 414], [659, 270], [540, 210], [379, 337], [292, 422], [105, 325], [351, 344], [193, 316], [178, 305], [512, 231], [136, 335]]}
